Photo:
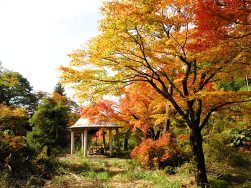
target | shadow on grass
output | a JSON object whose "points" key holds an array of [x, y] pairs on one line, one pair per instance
{"points": [[240, 177]]}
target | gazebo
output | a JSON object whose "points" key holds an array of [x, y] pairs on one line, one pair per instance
{"points": [[83, 126]]}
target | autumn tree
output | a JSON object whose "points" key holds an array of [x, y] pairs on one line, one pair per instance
{"points": [[140, 109], [157, 42], [17, 102], [144, 110], [129, 112], [13, 120]]}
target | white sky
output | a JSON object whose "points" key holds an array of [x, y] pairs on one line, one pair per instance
{"points": [[37, 35]]}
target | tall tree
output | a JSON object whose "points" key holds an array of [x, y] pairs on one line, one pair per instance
{"points": [[49, 123], [17, 102], [15, 90], [155, 42]]}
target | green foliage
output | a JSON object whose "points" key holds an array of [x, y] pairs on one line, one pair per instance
{"points": [[169, 170], [234, 85], [134, 140], [16, 90], [185, 169], [241, 137], [17, 102], [59, 89], [49, 125], [220, 155], [3, 178], [215, 182]]}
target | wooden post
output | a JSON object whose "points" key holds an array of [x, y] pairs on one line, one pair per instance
{"points": [[82, 141], [110, 141], [85, 142], [72, 141], [117, 138], [103, 135]]}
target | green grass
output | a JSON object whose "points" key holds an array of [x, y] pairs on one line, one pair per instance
{"points": [[108, 172], [159, 178], [74, 170], [99, 176]]}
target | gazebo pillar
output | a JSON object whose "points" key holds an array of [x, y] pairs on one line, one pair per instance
{"points": [[82, 141], [117, 138], [85, 142], [110, 141], [72, 141]]}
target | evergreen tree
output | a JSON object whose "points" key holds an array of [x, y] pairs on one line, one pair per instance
{"points": [[59, 89], [49, 122]]}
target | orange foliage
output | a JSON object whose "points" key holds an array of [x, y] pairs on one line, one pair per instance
{"points": [[222, 18], [143, 108], [12, 142], [58, 97], [134, 110], [152, 152], [101, 112]]}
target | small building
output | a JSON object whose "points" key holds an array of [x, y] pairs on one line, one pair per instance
{"points": [[83, 126]]}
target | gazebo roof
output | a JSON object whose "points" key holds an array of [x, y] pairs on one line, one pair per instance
{"points": [[85, 123]]}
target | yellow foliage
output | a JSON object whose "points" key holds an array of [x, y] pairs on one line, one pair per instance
{"points": [[153, 42]]}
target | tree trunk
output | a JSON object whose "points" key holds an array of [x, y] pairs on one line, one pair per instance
{"points": [[199, 160], [167, 125]]}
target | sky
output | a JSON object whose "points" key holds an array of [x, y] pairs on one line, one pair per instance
{"points": [[37, 35]]}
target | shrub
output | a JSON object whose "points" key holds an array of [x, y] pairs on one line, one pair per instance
{"points": [[153, 153], [20, 165], [241, 137], [219, 154], [10, 145]]}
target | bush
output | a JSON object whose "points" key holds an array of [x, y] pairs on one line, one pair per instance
{"points": [[219, 154], [241, 137], [154, 153], [20, 165], [11, 148]]}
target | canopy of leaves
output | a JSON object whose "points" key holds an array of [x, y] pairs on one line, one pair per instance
{"points": [[13, 119], [155, 42], [15, 90], [224, 18]]}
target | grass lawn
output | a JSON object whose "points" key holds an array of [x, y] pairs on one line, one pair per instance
{"points": [[76, 171], [101, 172]]}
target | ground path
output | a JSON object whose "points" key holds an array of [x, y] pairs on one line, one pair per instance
{"points": [[100, 171]]}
